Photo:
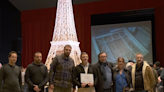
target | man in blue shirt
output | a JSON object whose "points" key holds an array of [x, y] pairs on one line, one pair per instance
{"points": [[104, 74]]}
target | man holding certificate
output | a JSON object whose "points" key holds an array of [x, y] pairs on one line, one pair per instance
{"points": [[84, 75], [104, 74]]}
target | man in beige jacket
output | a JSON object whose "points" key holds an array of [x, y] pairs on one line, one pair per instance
{"points": [[142, 75]]}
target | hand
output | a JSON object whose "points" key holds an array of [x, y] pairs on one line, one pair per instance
{"points": [[36, 88], [83, 85], [51, 86], [73, 90], [131, 89], [111, 83], [159, 79], [90, 84]]}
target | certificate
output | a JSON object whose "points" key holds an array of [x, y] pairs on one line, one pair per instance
{"points": [[86, 78]]}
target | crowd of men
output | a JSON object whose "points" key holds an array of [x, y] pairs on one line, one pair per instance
{"points": [[65, 77]]}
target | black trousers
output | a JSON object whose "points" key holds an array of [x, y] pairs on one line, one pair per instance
{"points": [[107, 90]]}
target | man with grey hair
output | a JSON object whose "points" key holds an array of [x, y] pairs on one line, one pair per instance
{"points": [[142, 75], [84, 68]]}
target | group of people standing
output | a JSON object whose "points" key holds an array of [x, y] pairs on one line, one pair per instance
{"points": [[65, 77]]}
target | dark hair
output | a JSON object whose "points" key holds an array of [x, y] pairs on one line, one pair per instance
{"points": [[100, 54], [151, 64], [37, 52], [67, 46], [82, 53], [12, 53], [157, 63], [22, 67], [131, 61], [120, 58]]}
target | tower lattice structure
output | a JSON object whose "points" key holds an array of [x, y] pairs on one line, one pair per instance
{"points": [[64, 33]]}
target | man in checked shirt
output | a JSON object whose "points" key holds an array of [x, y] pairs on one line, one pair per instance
{"points": [[61, 72]]}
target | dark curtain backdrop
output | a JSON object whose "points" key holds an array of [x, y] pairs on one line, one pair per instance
{"points": [[10, 31], [37, 25]]}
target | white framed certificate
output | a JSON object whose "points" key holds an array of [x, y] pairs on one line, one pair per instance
{"points": [[86, 78]]}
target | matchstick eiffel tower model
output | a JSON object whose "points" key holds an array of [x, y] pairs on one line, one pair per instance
{"points": [[64, 33]]}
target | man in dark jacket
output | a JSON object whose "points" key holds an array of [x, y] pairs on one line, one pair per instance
{"points": [[84, 68], [104, 74], [157, 67], [36, 75]]}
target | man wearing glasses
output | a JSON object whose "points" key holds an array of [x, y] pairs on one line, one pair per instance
{"points": [[142, 75], [104, 74]]}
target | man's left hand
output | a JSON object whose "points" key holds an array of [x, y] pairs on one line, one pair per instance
{"points": [[90, 84], [36, 88]]}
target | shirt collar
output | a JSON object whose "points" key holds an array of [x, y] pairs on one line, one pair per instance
{"points": [[39, 64], [158, 67], [10, 65], [85, 65], [139, 66], [103, 63], [67, 58], [117, 69]]}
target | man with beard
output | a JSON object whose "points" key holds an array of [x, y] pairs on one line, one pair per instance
{"points": [[10, 75], [36, 75], [61, 71], [142, 75]]}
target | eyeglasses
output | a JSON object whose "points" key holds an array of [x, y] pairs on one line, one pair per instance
{"points": [[103, 57], [139, 58]]}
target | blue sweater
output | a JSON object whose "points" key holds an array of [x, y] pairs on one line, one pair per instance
{"points": [[120, 82]]}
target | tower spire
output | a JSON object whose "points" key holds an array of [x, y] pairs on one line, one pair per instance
{"points": [[64, 25]]}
